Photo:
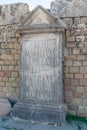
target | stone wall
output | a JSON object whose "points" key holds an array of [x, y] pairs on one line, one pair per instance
{"points": [[75, 60], [75, 66], [10, 48], [73, 12], [9, 61]]}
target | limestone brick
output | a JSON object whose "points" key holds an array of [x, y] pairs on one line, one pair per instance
{"points": [[77, 63], [76, 51], [76, 101], [81, 57], [80, 38], [71, 39], [73, 69], [78, 76], [1, 62], [14, 74], [80, 89], [83, 109]]}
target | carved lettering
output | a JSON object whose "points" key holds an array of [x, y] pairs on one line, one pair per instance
{"points": [[39, 64]]}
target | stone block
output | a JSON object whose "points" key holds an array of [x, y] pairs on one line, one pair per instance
{"points": [[76, 51], [71, 39], [11, 68], [84, 51], [82, 114], [67, 82], [1, 78], [81, 57], [85, 76], [85, 63], [10, 57], [68, 94], [77, 63], [11, 79], [78, 76], [83, 109], [16, 46], [10, 46], [74, 82], [82, 25], [1, 62], [77, 20], [17, 57], [83, 70], [4, 68], [5, 89], [5, 107], [12, 89], [8, 84], [83, 19], [68, 63], [7, 62], [76, 101], [15, 84], [67, 33], [77, 94], [4, 56], [80, 38], [80, 89], [17, 68], [2, 84], [2, 73], [70, 76], [65, 69], [5, 79], [7, 73], [70, 44], [69, 21], [73, 69], [72, 112], [13, 62], [83, 82], [80, 44], [17, 35], [14, 74]]}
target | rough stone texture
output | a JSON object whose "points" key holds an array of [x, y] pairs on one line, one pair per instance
{"points": [[5, 107], [75, 66], [13, 13], [9, 61], [10, 17], [41, 69], [66, 8], [75, 63]]}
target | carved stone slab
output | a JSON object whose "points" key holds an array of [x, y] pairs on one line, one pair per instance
{"points": [[41, 87], [41, 68]]}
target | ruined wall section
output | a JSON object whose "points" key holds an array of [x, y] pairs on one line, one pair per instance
{"points": [[75, 66], [10, 48], [75, 55]]}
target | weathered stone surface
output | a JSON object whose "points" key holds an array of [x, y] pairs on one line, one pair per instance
{"points": [[73, 8], [41, 69], [13, 13], [5, 107]]}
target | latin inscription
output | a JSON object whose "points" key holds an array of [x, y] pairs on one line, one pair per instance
{"points": [[40, 69]]}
